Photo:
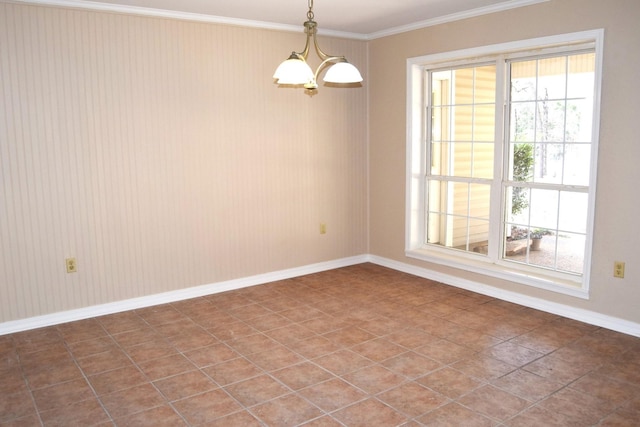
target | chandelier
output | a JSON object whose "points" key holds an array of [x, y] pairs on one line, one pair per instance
{"points": [[296, 71]]}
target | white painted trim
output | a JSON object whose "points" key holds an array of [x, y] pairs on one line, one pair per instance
{"points": [[587, 316], [488, 52], [187, 16], [173, 296], [598, 319], [499, 7], [576, 286], [501, 271]]}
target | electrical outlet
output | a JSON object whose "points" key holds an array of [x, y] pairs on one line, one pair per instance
{"points": [[72, 267], [618, 269], [323, 228]]}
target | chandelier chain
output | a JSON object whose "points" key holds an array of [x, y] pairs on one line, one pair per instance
{"points": [[310, 12]]}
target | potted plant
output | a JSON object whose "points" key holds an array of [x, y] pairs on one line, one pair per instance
{"points": [[536, 239]]}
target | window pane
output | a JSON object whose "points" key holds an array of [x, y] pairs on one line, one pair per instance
{"points": [[485, 85], [579, 121], [441, 87], [554, 119], [552, 78], [479, 201], [462, 123], [478, 236], [440, 124], [522, 162], [483, 160], [434, 219], [531, 235], [461, 165], [523, 122], [518, 206], [580, 81], [577, 157], [447, 230], [573, 212], [561, 252], [523, 81], [484, 123], [542, 250], [570, 252], [544, 208], [459, 197], [550, 121], [458, 215], [516, 247], [459, 232], [463, 113], [548, 163], [436, 229], [464, 86], [437, 195], [436, 158]]}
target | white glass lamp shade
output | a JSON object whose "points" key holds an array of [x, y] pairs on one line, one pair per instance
{"points": [[293, 72], [342, 72]]}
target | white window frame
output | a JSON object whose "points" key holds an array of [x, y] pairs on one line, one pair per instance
{"points": [[415, 246]]}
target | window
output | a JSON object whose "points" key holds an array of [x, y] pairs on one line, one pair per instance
{"points": [[502, 147]]}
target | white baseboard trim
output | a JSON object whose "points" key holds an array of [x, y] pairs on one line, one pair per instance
{"points": [[173, 296], [593, 318], [587, 316]]}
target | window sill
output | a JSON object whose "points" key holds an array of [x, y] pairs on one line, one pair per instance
{"points": [[473, 264]]}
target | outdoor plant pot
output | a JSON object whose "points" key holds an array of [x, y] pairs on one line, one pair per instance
{"points": [[535, 244]]}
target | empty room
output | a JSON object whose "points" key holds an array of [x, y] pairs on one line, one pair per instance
{"points": [[299, 213]]}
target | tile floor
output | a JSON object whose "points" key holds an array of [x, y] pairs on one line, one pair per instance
{"points": [[357, 346]]}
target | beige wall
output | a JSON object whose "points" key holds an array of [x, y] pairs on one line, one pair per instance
{"points": [[162, 156], [617, 210]]}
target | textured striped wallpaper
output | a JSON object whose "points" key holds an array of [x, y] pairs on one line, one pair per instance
{"points": [[161, 156]]}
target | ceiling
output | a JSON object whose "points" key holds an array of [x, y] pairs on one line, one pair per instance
{"points": [[355, 18]]}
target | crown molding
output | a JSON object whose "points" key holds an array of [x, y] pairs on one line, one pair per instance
{"points": [[472, 13], [185, 16], [188, 16]]}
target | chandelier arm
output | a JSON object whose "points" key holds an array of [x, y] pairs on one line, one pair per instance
{"points": [[319, 51], [311, 29], [324, 63]]}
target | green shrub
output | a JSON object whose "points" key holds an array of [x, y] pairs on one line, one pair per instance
{"points": [[522, 172]]}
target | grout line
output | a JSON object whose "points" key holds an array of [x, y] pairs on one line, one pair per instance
{"points": [[324, 290]]}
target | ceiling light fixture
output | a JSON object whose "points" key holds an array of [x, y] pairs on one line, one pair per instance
{"points": [[296, 71]]}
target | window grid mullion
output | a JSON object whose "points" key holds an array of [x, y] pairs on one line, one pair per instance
{"points": [[496, 230]]}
